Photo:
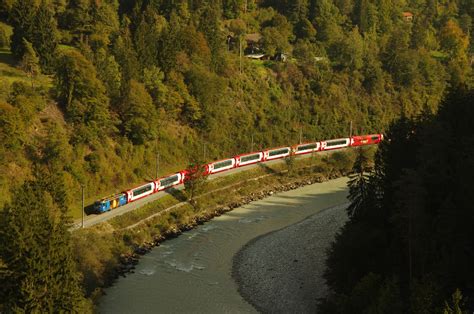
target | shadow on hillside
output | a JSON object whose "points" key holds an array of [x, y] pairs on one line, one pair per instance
{"points": [[177, 194], [267, 169], [7, 57]]}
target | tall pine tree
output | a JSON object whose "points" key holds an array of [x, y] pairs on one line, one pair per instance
{"points": [[38, 273]]}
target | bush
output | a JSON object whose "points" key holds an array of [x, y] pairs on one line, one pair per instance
{"points": [[4, 40]]}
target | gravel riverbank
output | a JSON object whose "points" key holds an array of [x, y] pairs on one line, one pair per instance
{"points": [[192, 273], [281, 272]]}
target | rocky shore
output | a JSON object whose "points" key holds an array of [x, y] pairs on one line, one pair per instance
{"points": [[128, 261], [281, 272]]}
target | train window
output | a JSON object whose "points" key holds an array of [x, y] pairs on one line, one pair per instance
{"points": [[142, 190], [223, 164], [278, 152], [249, 158], [306, 147], [334, 143], [374, 138], [168, 181]]}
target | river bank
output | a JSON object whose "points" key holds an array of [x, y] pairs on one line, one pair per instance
{"points": [[198, 265], [281, 272]]}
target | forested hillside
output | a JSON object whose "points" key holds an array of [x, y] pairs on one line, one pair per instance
{"points": [[93, 90], [408, 247]]}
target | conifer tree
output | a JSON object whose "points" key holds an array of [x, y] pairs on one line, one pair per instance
{"points": [[39, 273], [209, 25], [30, 61], [359, 185], [21, 17], [44, 36]]}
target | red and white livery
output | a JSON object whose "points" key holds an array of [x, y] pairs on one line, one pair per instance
{"points": [[306, 148], [276, 153], [221, 165], [140, 192], [169, 181], [248, 159], [366, 139], [335, 144]]}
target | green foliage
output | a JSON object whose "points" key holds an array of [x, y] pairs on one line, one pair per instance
{"points": [[139, 114], [35, 248], [44, 36], [21, 17], [96, 262], [82, 95], [416, 202], [194, 180], [456, 304], [4, 39], [359, 185], [133, 75], [108, 71], [30, 61], [11, 128]]}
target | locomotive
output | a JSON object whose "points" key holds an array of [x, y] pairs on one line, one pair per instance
{"points": [[166, 182]]}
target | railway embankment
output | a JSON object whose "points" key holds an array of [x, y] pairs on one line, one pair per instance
{"points": [[113, 248]]}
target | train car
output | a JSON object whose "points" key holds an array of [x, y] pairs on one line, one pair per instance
{"points": [[335, 144], [366, 139], [140, 192], [110, 202], [248, 159], [276, 153], [306, 148], [169, 181], [220, 165]]}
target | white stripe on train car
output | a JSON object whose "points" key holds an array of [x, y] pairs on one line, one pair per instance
{"points": [[335, 144], [249, 159], [307, 148], [276, 153], [141, 191], [169, 181], [221, 165]]}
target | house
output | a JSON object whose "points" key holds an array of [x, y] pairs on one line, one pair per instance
{"points": [[279, 56], [407, 16], [257, 56], [253, 43]]}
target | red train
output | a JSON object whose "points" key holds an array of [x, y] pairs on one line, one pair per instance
{"points": [[243, 160]]}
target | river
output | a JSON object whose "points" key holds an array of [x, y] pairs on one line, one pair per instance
{"points": [[193, 273]]}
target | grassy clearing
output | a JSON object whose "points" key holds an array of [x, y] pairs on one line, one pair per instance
{"points": [[10, 73]]}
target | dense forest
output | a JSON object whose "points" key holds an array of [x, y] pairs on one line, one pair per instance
{"points": [[91, 92], [96, 89], [409, 244]]}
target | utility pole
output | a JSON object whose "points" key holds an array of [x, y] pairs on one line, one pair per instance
{"points": [[350, 130], [240, 52], [157, 164], [82, 187], [301, 134], [251, 144]]}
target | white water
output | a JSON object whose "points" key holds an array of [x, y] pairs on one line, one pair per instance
{"points": [[192, 273]]}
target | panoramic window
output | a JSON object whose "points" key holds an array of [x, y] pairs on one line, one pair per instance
{"points": [[335, 143], [169, 181], [223, 164], [306, 147], [142, 190], [249, 158], [278, 152]]}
